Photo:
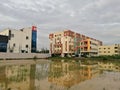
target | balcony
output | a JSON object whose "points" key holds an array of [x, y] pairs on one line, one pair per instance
{"points": [[51, 36]]}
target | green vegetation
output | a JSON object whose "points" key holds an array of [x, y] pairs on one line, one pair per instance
{"points": [[113, 57], [66, 59], [34, 58], [90, 60]]}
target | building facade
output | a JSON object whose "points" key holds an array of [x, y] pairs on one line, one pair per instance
{"points": [[62, 43], [68, 42], [21, 41], [89, 46], [109, 50]]}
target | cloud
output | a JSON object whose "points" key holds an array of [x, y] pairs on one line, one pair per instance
{"points": [[99, 19]]}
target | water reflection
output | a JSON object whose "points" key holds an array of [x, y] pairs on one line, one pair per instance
{"points": [[21, 77], [18, 77], [52, 76], [72, 73], [109, 66]]}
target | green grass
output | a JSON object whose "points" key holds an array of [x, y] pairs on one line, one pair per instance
{"points": [[113, 57], [65, 58], [106, 59]]}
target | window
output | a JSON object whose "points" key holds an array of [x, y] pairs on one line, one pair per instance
{"points": [[81, 43], [108, 51], [14, 45], [21, 30], [12, 35], [9, 34], [90, 47], [26, 46], [116, 51], [27, 37], [108, 48], [116, 47]]}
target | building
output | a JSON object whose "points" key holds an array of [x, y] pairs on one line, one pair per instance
{"points": [[19, 41], [109, 49], [62, 43], [89, 46], [68, 43]]}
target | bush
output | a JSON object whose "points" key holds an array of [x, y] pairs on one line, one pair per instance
{"points": [[35, 57]]}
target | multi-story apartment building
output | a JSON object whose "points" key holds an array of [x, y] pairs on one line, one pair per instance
{"points": [[62, 42], [68, 43], [89, 46], [109, 49], [19, 41]]}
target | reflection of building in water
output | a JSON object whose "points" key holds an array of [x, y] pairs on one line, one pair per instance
{"points": [[24, 77], [41, 75], [18, 74], [2, 78], [69, 74], [108, 66], [89, 71], [20, 77]]}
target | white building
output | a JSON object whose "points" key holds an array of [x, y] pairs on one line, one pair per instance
{"points": [[21, 41]]}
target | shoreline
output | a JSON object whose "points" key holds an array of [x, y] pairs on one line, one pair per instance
{"points": [[22, 62], [13, 56]]}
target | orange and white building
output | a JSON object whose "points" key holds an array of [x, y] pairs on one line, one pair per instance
{"points": [[68, 42], [89, 46]]}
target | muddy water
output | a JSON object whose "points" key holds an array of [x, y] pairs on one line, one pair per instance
{"points": [[59, 76]]}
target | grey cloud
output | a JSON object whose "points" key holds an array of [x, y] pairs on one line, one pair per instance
{"points": [[99, 19]]}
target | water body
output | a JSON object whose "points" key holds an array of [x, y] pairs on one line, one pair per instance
{"points": [[59, 76]]}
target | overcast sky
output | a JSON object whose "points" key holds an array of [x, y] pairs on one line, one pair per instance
{"points": [[98, 19]]}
